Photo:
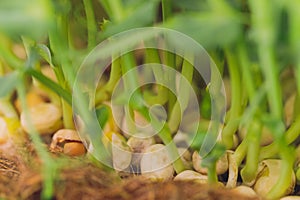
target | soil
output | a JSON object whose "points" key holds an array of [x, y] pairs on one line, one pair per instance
{"points": [[20, 178]]}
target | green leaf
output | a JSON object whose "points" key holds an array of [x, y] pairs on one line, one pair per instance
{"points": [[44, 52], [8, 83]]}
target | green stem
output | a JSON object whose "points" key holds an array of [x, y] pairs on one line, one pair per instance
{"points": [[7, 55], [182, 96], [115, 74], [106, 6], [291, 135], [131, 79], [161, 98], [235, 108], [67, 115], [131, 87], [212, 173], [131, 84], [60, 42], [286, 173], [241, 152], [249, 172], [245, 69], [169, 61], [6, 107], [51, 85], [116, 8], [91, 23], [166, 9], [294, 24], [264, 25], [49, 167], [166, 137]]}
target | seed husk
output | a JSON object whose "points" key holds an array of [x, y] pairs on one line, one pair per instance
{"points": [[190, 175], [156, 164], [269, 176], [121, 153]]}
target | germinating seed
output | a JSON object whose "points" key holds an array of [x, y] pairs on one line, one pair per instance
{"points": [[64, 135], [44, 117], [32, 99], [221, 166], [74, 149], [269, 176], [189, 175], [139, 146], [121, 153], [186, 157], [156, 164]]}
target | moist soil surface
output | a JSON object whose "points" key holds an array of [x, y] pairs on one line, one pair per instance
{"points": [[79, 178]]}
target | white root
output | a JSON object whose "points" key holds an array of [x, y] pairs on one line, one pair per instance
{"points": [[233, 170]]}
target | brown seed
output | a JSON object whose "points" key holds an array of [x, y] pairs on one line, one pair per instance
{"points": [[74, 149]]}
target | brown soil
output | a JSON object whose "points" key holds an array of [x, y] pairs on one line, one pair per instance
{"points": [[21, 179]]}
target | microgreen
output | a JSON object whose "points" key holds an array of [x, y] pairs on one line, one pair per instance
{"points": [[241, 37]]}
